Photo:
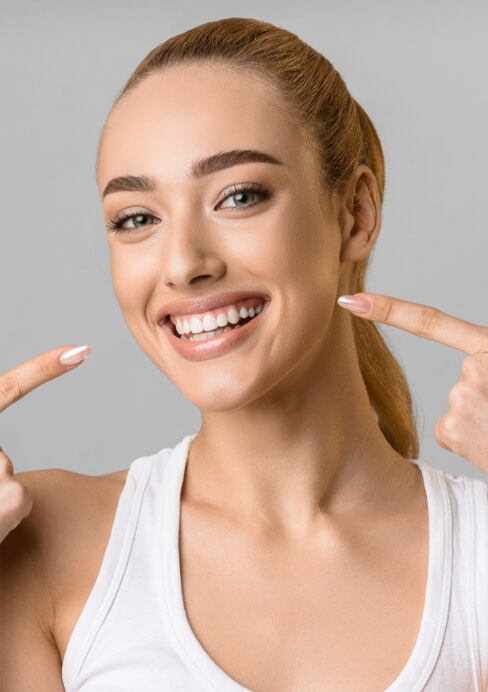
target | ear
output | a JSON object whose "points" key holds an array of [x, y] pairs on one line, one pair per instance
{"points": [[360, 216]]}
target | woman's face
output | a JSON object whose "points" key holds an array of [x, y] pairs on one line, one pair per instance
{"points": [[246, 223]]}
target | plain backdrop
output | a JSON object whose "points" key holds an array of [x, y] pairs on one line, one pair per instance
{"points": [[418, 68]]}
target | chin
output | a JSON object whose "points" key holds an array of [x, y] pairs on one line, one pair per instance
{"points": [[225, 394]]}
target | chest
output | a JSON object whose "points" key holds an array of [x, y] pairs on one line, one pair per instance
{"points": [[339, 613], [334, 615]]}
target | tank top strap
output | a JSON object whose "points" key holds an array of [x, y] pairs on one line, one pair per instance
{"points": [[134, 632], [477, 508], [112, 568]]}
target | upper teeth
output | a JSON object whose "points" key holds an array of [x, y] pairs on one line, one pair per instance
{"points": [[208, 322]]}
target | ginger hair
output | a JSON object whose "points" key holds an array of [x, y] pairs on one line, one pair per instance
{"points": [[342, 136]]}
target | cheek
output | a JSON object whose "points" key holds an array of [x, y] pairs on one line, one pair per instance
{"points": [[305, 250], [301, 260], [134, 273]]}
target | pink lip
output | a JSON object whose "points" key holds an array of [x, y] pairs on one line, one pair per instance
{"points": [[205, 304], [218, 345]]}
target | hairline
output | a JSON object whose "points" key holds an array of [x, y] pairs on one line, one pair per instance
{"points": [[232, 64]]}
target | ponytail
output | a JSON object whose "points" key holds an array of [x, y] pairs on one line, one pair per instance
{"points": [[385, 380]]}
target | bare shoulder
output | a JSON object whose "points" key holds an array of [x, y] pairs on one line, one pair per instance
{"points": [[53, 555], [69, 526], [67, 506]]}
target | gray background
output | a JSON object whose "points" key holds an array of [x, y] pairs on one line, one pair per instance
{"points": [[419, 69]]}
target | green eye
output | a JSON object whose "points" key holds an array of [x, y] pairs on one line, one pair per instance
{"points": [[243, 196], [132, 222], [139, 220], [241, 199]]}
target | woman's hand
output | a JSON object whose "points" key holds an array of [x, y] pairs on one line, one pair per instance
{"points": [[464, 428], [15, 501]]}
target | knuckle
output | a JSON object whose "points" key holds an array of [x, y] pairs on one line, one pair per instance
{"points": [[16, 493], [384, 309], [475, 366], [9, 389], [6, 466], [19, 498], [439, 435], [25, 501], [14, 512], [45, 368], [447, 429], [430, 319], [441, 440], [462, 393], [469, 367]]}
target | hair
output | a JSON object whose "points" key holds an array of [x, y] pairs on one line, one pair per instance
{"points": [[341, 135]]}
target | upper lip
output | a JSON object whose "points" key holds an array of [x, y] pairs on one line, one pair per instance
{"points": [[205, 303]]}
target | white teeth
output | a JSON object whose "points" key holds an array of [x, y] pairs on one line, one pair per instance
{"points": [[232, 316], [209, 324], [204, 336], [196, 325], [222, 319]]}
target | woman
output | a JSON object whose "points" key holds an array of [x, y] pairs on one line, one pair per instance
{"points": [[293, 543]]}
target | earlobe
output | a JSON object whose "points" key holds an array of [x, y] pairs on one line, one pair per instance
{"points": [[361, 217]]}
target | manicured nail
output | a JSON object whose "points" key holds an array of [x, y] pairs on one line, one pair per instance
{"points": [[359, 305], [75, 355]]}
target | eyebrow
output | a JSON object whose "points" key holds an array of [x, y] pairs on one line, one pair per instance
{"points": [[199, 169]]}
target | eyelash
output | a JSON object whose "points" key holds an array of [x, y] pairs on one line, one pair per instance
{"points": [[115, 225]]}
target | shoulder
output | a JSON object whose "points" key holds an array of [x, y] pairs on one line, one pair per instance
{"points": [[62, 538], [71, 513], [67, 508]]}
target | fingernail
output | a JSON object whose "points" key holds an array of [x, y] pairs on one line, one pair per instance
{"points": [[75, 355], [355, 304]]}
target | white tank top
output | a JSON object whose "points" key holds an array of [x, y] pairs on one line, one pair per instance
{"points": [[133, 633]]}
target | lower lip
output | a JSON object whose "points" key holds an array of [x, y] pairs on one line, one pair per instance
{"points": [[218, 345]]}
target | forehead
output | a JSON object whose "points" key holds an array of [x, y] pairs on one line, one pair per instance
{"points": [[192, 111]]}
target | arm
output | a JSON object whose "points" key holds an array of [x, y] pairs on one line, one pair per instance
{"points": [[29, 659]]}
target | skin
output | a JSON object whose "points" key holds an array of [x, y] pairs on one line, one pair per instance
{"points": [[290, 404], [291, 492], [463, 428], [15, 500]]}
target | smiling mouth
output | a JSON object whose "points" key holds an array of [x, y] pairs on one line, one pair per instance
{"points": [[212, 326], [205, 336]]}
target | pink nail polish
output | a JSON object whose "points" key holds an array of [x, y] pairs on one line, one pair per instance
{"points": [[75, 355], [359, 305]]}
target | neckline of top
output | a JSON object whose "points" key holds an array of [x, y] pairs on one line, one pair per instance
{"points": [[426, 650]]}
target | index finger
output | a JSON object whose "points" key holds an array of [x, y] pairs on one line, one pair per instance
{"points": [[425, 321], [19, 381]]}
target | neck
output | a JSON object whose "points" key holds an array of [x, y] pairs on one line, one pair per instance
{"points": [[308, 449]]}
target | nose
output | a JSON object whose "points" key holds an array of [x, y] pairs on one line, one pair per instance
{"points": [[191, 253]]}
